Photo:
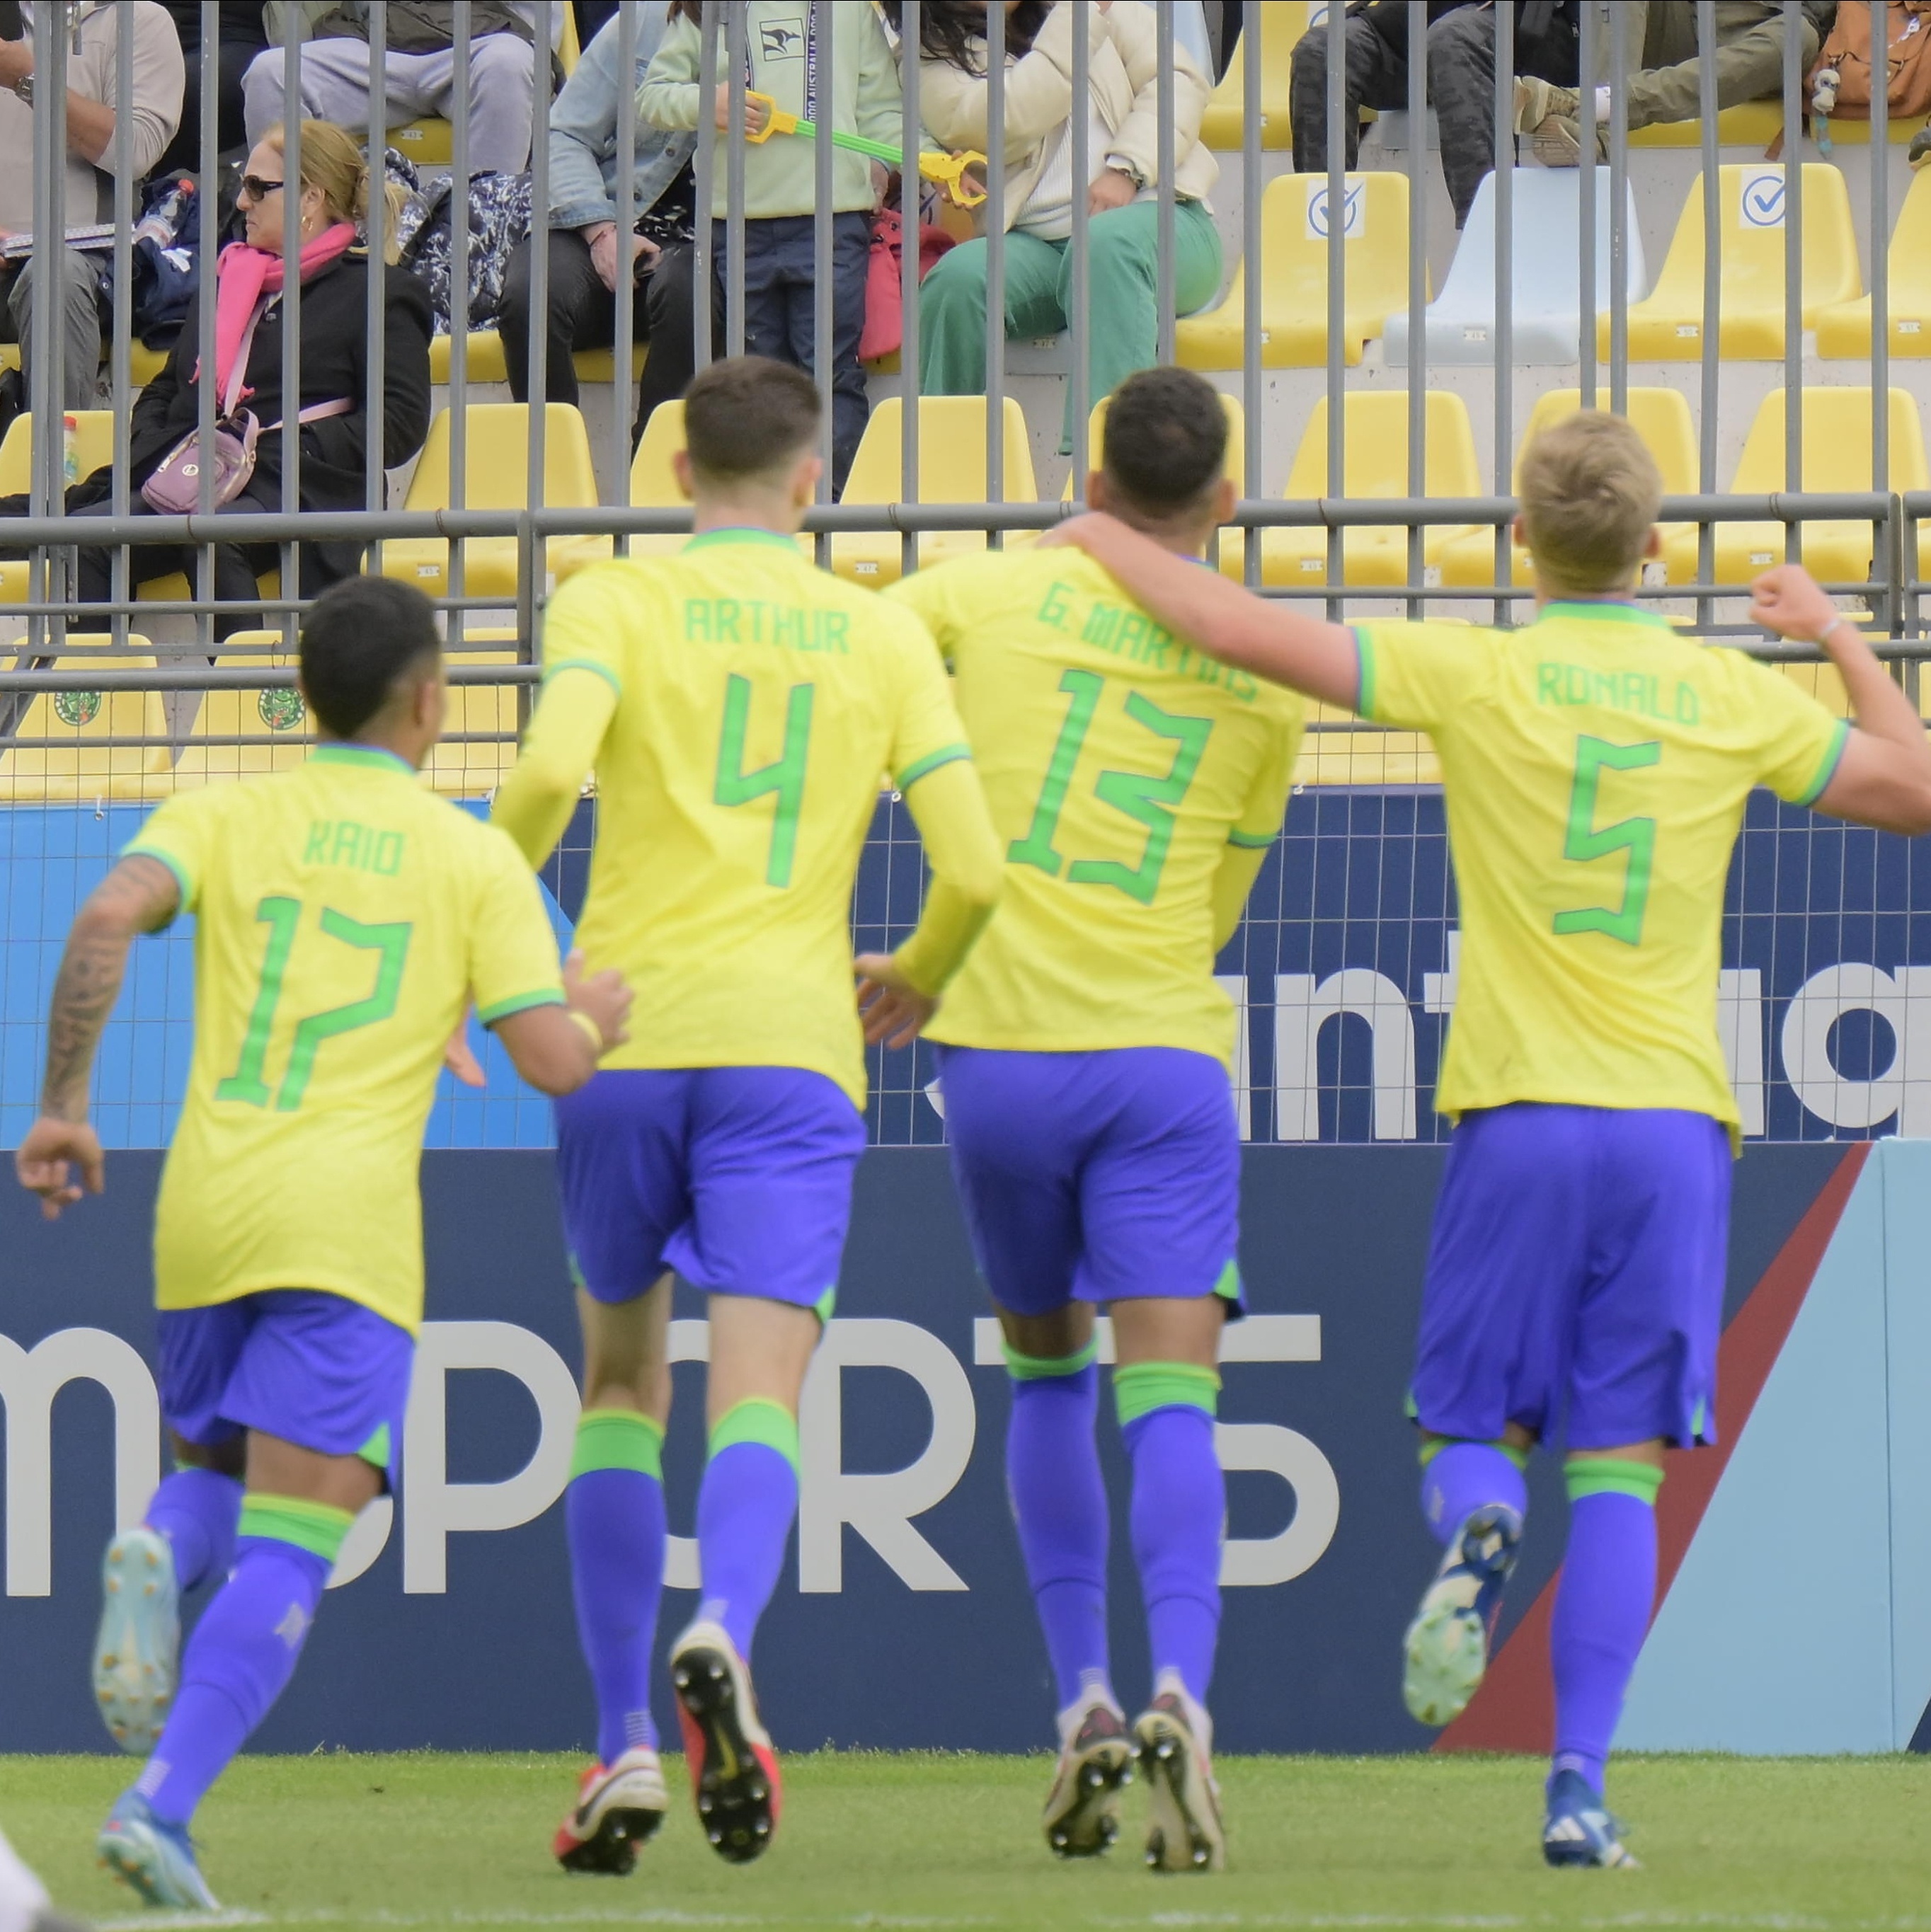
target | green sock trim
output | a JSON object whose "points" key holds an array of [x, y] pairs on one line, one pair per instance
{"points": [[1435, 1444], [758, 1419], [1140, 1387], [618, 1438], [317, 1528], [1612, 1476], [1044, 1368]]}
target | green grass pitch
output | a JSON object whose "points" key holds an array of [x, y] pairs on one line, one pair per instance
{"points": [[929, 1841]]}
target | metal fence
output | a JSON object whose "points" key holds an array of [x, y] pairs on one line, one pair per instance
{"points": [[1347, 959]]}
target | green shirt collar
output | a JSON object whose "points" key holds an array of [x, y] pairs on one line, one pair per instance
{"points": [[338, 752], [1617, 613], [739, 533]]}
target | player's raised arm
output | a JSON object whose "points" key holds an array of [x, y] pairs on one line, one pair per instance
{"points": [[140, 894], [1883, 776], [1200, 605]]}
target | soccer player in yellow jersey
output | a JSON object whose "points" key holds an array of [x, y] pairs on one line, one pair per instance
{"points": [[738, 706], [344, 916], [1595, 767], [1138, 785]]}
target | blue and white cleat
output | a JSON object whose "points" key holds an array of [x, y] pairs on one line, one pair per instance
{"points": [[1579, 1831], [1445, 1654], [139, 1646], [154, 1858]]}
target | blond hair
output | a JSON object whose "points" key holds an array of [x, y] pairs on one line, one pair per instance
{"points": [[1591, 493], [331, 161]]}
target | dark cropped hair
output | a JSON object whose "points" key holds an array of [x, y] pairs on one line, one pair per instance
{"points": [[748, 414], [947, 29], [1166, 442], [364, 636]]}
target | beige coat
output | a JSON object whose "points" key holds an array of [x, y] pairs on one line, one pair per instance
{"points": [[1123, 71]]}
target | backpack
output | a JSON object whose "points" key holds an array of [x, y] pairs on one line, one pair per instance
{"points": [[1839, 83], [500, 218]]}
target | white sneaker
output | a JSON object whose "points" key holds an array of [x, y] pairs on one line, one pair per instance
{"points": [[138, 1650]]}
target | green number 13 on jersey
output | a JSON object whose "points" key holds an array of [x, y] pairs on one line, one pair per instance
{"points": [[1585, 845]]}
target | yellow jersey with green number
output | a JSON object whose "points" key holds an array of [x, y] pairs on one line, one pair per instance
{"points": [[1119, 764], [1595, 768], [759, 703], [343, 917]]}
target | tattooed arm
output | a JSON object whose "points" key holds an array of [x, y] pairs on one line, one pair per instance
{"points": [[139, 896]]}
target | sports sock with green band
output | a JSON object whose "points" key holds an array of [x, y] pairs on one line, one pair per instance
{"points": [[1178, 1511], [1060, 1506], [746, 1503], [1602, 1605], [1458, 1478], [613, 1512], [196, 1509], [243, 1651]]}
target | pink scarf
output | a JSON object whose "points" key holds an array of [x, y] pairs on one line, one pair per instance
{"points": [[244, 275]]}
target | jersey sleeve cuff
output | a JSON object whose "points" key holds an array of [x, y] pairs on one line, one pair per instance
{"points": [[184, 884], [1364, 659], [520, 1002], [590, 664], [946, 754], [1828, 770], [1251, 841]]}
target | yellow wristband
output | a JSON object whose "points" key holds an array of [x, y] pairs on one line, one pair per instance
{"points": [[591, 1029]]}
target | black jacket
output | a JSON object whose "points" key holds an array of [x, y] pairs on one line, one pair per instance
{"points": [[334, 363]]}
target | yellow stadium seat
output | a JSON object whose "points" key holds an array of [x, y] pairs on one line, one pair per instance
{"points": [[654, 486], [483, 359], [1667, 325], [1837, 456], [1661, 418], [1758, 125], [1375, 423], [1282, 23], [83, 764], [273, 721], [1845, 329], [94, 446], [951, 469], [475, 770], [496, 472], [1294, 277]]}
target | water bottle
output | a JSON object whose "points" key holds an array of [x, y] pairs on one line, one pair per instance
{"points": [[69, 451]]}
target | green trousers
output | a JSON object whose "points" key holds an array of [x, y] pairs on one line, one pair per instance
{"points": [[1123, 333]]}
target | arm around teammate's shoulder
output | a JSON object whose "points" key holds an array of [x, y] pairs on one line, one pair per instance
{"points": [[1883, 775], [1200, 605]]}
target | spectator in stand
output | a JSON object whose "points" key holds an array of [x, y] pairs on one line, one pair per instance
{"points": [[241, 33], [335, 271], [1661, 39], [418, 72], [1121, 196], [1460, 55], [859, 95], [589, 248], [94, 29]]}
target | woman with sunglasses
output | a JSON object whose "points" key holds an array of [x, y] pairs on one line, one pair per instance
{"points": [[331, 391]]}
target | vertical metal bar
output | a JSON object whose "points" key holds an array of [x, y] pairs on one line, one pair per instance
{"points": [[1417, 283], [1080, 406], [910, 28], [1252, 393], [120, 376], [822, 22], [1619, 209], [1893, 613], [201, 566], [1713, 301], [704, 168], [1585, 210], [454, 620], [995, 260], [1503, 342], [539, 309], [375, 484], [1337, 237], [291, 325], [46, 394], [1164, 120], [1793, 261], [735, 57], [623, 326]]}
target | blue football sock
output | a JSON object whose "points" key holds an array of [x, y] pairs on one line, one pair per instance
{"points": [[244, 1649], [1458, 1478], [1059, 1504], [746, 1503], [1602, 1605], [197, 1510], [614, 1511], [1179, 1512]]}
